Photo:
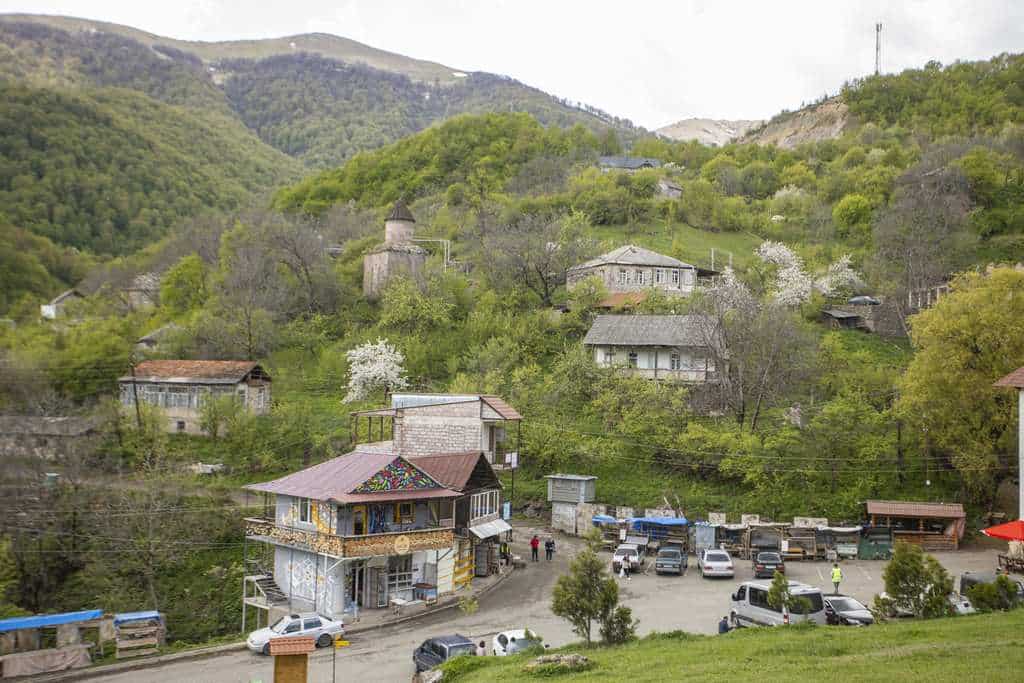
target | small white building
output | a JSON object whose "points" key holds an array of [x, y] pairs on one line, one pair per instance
{"points": [[566, 493], [55, 308], [669, 347]]}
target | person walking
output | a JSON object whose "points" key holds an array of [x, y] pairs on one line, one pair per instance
{"points": [[723, 626], [837, 577], [626, 566], [481, 650], [549, 548], [534, 545]]}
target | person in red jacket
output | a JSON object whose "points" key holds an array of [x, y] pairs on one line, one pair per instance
{"points": [[534, 545]]}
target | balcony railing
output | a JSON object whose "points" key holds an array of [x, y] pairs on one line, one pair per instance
{"points": [[390, 543]]}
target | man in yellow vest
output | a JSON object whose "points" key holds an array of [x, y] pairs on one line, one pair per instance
{"points": [[837, 577]]}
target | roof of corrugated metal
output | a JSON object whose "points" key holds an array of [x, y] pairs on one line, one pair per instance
{"points": [[915, 509], [1014, 379], [452, 469], [195, 371], [501, 408], [633, 255], [650, 330]]}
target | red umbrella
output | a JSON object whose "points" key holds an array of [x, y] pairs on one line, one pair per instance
{"points": [[1011, 531]]}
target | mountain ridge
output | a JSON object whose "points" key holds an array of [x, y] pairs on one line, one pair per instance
{"points": [[708, 131]]}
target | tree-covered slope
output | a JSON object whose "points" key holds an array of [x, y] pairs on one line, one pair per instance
{"points": [[109, 172]]}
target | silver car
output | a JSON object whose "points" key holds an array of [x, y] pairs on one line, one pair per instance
{"points": [[713, 562], [310, 625]]}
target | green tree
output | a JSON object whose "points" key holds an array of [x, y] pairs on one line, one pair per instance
{"points": [[781, 598], [759, 179], [915, 582], [183, 286], [852, 215], [999, 595], [798, 175], [586, 594], [217, 412]]}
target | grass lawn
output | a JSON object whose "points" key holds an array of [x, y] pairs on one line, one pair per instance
{"points": [[692, 245], [976, 648]]}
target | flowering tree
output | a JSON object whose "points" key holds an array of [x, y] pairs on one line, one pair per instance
{"points": [[841, 279], [373, 366], [792, 285]]}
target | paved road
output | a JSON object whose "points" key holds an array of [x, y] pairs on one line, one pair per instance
{"points": [[660, 603]]}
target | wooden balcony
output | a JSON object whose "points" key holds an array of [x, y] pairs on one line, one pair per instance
{"points": [[391, 543]]}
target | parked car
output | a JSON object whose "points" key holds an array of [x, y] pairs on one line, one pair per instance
{"points": [[750, 605], [713, 562], [971, 579], [670, 560], [636, 558], [767, 563], [436, 651], [513, 642], [842, 610], [309, 624], [960, 605]]}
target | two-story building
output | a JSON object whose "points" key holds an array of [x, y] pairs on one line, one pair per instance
{"points": [[367, 529], [429, 424], [669, 347], [629, 273], [179, 388]]}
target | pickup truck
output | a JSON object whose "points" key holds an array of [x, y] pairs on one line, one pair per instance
{"points": [[636, 558], [670, 560]]}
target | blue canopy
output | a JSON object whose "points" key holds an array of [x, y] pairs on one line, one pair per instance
{"points": [[603, 519], [125, 617], [41, 620], [662, 521]]}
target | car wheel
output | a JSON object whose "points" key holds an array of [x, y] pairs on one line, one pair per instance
{"points": [[266, 650], [324, 640]]}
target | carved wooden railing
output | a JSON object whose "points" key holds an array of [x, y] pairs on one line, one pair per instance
{"points": [[391, 543]]}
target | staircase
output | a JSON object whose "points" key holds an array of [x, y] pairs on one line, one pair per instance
{"points": [[271, 592]]}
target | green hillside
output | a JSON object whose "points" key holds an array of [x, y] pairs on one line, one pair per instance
{"points": [[982, 647]]}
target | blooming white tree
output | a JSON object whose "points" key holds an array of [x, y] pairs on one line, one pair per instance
{"points": [[840, 279], [792, 285], [374, 366], [730, 293]]}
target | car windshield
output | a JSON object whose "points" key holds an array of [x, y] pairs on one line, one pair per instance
{"points": [[717, 557], [845, 604], [769, 557], [670, 554], [280, 624]]}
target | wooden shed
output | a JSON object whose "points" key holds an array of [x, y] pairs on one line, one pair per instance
{"points": [[291, 658], [933, 526]]}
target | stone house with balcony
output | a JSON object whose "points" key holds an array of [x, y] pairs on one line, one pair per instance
{"points": [[661, 347], [629, 273], [179, 388], [431, 424], [364, 531]]}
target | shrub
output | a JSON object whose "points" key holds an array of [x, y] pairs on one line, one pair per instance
{"points": [[618, 626], [991, 597]]}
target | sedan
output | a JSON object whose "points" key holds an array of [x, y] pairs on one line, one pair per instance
{"points": [[311, 625], [713, 562], [846, 611], [767, 563]]}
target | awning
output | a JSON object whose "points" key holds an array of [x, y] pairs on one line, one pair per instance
{"points": [[661, 521], [1011, 531], [492, 528], [44, 620]]}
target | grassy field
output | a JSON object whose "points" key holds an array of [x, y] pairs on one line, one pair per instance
{"points": [[686, 243], [976, 648]]}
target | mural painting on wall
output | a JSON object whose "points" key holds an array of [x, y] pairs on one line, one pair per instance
{"points": [[397, 476], [322, 518]]}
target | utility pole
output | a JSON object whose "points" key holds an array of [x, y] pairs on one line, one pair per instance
{"points": [[135, 396], [878, 48]]}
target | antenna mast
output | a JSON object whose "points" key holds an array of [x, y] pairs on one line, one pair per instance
{"points": [[878, 48]]}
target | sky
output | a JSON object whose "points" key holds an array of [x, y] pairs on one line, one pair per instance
{"points": [[651, 62]]}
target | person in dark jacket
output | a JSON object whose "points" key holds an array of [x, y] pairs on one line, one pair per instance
{"points": [[534, 545], [549, 548], [723, 626]]}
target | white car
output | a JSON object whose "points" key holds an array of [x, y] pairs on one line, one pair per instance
{"points": [[630, 550], [513, 642], [750, 605], [318, 626], [714, 562]]}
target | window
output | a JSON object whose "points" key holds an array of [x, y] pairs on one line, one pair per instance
{"points": [[399, 573], [639, 276], [482, 504], [609, 357], [308, 624], [633, 359], [623, 276], [359, 520], [404, 513], [659, 276], [305, 510], [293, 627], [674, 361], [181, 425], [675, 277], [759, 598]]}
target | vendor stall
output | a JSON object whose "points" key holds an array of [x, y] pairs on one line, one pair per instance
{"points": [[663, 531], [609, 527], [732, 537], [762, 537], [799, 543], [875, 544], [840, 541]]}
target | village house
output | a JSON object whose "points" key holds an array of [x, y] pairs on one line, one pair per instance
{"points": [[179, 388], [372, 529], [55, 309], [630, 272], [48, 438], [626, 163], [398, 256], [428, 424], [143, 292], [668, 347]]}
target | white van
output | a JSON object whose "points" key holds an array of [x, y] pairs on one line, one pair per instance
{"points": [[750, 605]]}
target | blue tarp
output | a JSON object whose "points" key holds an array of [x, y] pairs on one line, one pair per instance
{"points": [[662, 521], [125, 617], [41, 620], [603, 519]]}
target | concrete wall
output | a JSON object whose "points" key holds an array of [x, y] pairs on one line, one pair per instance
{"points": [[563, 517], [308, 577], [451, 428], [652, 278]]}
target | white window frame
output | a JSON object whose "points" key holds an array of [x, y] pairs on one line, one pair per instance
{"points": [[675, 277], [609, 356], [483, 504], [623, 276], [639, 276], [306, 510], [399, 573], [675, 361], [633, 359], [659, 276]]}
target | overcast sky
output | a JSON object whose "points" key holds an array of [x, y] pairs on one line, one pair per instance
{"points": [[652, 62]]}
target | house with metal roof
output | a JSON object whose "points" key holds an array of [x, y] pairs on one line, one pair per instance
{"points": [[933, 526], [663, 347], [631, 272], [627, 163], [358, 531], [180, 387]]}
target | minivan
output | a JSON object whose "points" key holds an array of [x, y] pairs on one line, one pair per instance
{"points": [[750, 605]]}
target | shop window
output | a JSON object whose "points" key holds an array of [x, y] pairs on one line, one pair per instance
{"points": [[399, 573]]}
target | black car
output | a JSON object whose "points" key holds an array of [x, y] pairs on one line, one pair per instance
{"points": [[842, 610], [436, 651], [767, 563]]}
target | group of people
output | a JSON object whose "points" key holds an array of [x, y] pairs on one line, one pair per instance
{"points": [[549, 548]]}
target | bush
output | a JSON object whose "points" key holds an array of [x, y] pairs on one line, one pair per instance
{"points": [[915, 582], [618, 626], [458, 667], [1000, 595]]}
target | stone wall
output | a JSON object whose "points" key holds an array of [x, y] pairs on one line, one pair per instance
{"points": [[399, 543], [380, 266], [425, 432], [47, 446]]}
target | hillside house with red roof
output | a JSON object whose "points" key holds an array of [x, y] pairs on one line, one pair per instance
{"points": [[180, 387]]}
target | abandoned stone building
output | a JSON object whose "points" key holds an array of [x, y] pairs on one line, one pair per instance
{"points": [[398, 256]]}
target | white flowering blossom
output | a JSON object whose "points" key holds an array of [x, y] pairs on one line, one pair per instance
{"points": [[840, 279], [792, 285], [729, 292], [373, 366]]}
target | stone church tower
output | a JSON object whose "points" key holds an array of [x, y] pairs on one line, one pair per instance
{"points": [[398, 256]]}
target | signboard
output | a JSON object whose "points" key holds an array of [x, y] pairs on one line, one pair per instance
{"points": [[402, 545], [512, 459], [506, 510]]}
